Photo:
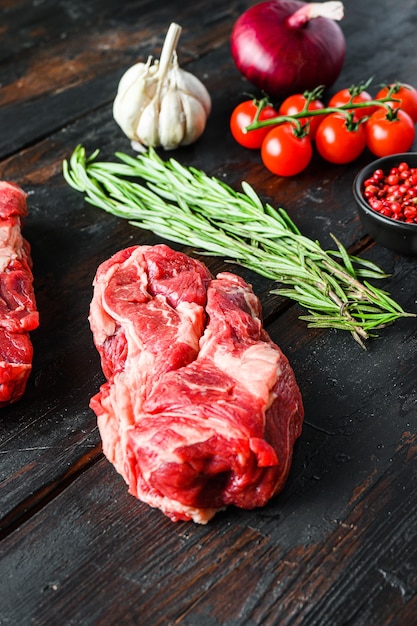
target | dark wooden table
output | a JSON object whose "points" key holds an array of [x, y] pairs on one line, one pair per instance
{"points": [[339, 544]]}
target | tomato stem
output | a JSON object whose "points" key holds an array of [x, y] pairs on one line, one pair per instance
{"points": [[315, 94], [260, 104], [299, 130], [345, 109], [356, 90], [392, 114]]}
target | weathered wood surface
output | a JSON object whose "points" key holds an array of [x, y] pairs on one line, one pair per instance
{"points": [[338, 546]]}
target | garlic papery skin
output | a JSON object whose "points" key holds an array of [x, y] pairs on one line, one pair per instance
{"points": [[159, 104]]}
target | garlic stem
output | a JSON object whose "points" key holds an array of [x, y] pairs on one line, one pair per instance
{"points": [[167, 53], [333, 10]]}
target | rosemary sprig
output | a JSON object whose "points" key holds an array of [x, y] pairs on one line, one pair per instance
{"points": [[185, 205]]}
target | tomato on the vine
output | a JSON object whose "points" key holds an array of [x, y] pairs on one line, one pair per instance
{"points": [[385, 136], [243, 115], [284, 152], [344, 96], [297, 103], [337, 142], [406, 94]]}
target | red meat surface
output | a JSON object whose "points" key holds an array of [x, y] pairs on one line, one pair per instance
{"points": [[200, 409], [18, 313]]}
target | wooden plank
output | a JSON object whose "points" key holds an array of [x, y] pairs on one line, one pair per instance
{"points": [[69, 239], [99, 561], [337, 546], [353, 476], [76, 60]]}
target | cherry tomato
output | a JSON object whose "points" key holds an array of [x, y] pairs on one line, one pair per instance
{"points": [[336, 143], [408, 96], [242, 116], [284, 153], [344, 96], [385, 136], [296, 103]]}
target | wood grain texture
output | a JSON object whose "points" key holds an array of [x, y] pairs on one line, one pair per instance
{"points": [[338, 546]]}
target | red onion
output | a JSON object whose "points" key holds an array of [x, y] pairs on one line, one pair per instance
{"points": [[286, 46]]}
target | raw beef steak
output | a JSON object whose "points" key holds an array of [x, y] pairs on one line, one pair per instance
{"points": [[18, 314], [200, 409]]}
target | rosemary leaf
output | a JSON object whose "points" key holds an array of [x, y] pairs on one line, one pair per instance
{"points": [[344, 256], [364, 268]]}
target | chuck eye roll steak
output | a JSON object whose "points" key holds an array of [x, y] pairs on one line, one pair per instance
{"points": [[18, 313], [200, 409]]}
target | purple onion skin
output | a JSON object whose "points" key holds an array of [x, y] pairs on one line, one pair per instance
{"points": [[281, 60]]}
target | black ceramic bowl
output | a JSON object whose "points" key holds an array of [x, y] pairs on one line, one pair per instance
{"points": [[393, 234]]}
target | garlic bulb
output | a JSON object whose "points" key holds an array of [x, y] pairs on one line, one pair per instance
{"points": [[159, 104]]}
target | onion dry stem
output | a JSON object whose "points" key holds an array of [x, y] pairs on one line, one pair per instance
{"points": [[185, 205]]}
